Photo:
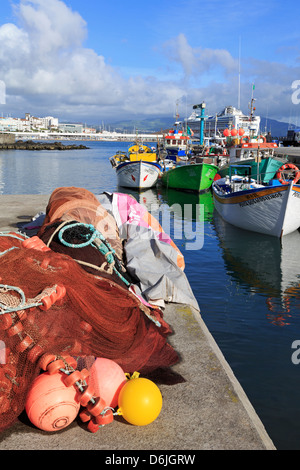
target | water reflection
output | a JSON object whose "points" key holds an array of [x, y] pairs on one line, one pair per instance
{"points": [[148, 198], [183, 198], [264, 264], [182, 215]]}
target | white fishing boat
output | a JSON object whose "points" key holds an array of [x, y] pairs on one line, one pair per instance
{"points": [[139, 175], [272, 209], [136, 169]]}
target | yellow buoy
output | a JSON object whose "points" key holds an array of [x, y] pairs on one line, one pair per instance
{"points": [[140, 401]]}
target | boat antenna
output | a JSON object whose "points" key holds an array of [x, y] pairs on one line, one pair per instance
{"points": [[239, 77], [252, 108], [176, 113]]}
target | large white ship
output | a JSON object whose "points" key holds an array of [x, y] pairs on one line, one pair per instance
{"points": [[230, 117]]}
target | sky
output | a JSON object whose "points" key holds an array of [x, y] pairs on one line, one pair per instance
{"points": [[95, 61]]}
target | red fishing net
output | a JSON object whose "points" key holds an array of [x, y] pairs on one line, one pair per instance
{"points": [[50, 303]]}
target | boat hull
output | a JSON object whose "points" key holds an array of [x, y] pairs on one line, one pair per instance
{"points": [[271, 210], [190, 177], [138, 174]]}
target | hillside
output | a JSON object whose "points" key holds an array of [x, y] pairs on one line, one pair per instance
{"points": [[277, 128], [144, 125]]}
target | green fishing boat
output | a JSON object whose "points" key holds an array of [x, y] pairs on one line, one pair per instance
{"points": [[195, 177]]}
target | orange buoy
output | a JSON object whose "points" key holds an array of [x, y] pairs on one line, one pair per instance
{"points": [[50, 405], [107, 378]]}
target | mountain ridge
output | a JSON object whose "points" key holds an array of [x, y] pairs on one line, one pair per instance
{"points": [[277, 128]]}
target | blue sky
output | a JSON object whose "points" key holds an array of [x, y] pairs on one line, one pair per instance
{"points": [[99, 61]]}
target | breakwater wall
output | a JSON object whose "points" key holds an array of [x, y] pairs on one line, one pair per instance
{"points": [[30, 145], [7, 139]]}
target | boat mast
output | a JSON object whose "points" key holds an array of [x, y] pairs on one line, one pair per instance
{"points": [[176, 114]]}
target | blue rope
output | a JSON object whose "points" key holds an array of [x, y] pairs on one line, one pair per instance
{"points": [[81, 245], [105, 248], [8, 250], [9, 234]]}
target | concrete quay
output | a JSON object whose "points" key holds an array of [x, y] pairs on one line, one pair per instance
{"points": [[292, 154], [208, 411]]}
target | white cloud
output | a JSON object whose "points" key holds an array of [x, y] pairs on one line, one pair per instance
{"points": [[51, 25], [45, 65], [47, 70], [195, 61]]}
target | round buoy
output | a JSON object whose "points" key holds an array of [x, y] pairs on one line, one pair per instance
{"points": [[140, 401], [107, 378], [50, 405]]}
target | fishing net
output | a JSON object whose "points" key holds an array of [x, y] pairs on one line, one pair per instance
{"points": [[71, 298]]}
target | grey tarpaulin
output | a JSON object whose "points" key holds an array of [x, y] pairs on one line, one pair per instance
{"points": [[151, 261]]}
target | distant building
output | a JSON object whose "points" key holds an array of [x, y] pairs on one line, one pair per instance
{"points": [[27, 124], [40, 124], [9, 124], [89, 130], [75, 128]]}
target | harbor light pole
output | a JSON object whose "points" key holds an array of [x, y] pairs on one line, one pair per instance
{"points": [[202, 117]]}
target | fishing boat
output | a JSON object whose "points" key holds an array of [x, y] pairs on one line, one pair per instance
{"points": [[240, 142], [272, 209], [253, 151], [196, 177], [138, 168], [176, 144]]}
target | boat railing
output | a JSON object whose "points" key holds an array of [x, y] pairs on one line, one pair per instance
{"points": [[259, 177]]}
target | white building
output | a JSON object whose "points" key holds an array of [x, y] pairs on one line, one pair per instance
{"points": [[37, 123], [30, 123], [40, 124], [12, 124]]}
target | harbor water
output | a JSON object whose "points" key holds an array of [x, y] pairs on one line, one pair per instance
{"points": [[247, 285]]}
